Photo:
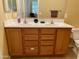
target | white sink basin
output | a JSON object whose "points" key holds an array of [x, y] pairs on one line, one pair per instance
{"points": [[32, 23]]}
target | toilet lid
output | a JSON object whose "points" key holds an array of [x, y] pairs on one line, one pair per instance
{"points": [[76, 41]]}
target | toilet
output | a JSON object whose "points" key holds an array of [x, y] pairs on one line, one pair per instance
{"points": [[75, 37]]}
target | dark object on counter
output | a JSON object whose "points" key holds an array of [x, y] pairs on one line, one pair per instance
{"points": [[42, 22], [32, 15], [54, 13], [35, 20], [19, 20]]}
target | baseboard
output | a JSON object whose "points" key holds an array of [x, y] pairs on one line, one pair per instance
{"points": [[5, 57]]}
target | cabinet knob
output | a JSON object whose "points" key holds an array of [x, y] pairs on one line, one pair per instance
{"points": [[32, 48]]}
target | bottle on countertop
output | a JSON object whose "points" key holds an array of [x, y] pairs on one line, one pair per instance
{"points": [[19, 20]]}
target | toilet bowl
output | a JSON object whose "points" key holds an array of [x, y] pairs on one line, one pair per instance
{"points": [[75, 37], [77, 43]]}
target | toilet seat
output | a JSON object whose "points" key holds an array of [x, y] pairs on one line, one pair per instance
{"points": [[77, 43]]}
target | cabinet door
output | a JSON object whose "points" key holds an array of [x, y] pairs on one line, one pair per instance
{"points": [[62, 42], [46, 50], [14, 41]]}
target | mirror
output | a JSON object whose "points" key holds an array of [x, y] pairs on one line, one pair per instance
{"points": [[23, 8], [31, 8], [34, 9], [10, 5], [28, 8]]}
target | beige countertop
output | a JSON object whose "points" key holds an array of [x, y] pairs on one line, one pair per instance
{"points": [[31, 24]]}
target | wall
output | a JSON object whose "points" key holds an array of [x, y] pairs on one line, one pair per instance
{"points": [[3, 45], [45, 6], [72, 12]]}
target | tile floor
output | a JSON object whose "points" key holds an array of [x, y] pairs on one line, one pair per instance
{"points": [[69, 55]]}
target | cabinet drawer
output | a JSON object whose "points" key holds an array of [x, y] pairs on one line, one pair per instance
{"points": [[47, 31], [47, 43], [31, 51], [46, 50], [30, 37], [29, 31], [47, 37], [30, 43]]}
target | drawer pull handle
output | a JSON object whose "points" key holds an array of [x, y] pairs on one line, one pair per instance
{"points": [[32, 48]]}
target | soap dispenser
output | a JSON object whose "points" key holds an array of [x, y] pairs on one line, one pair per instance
{"points": [[19, 20]]}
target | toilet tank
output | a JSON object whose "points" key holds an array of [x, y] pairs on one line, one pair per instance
{"points": [[75, 33]]}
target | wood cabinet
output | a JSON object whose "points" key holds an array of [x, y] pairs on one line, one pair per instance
{"points": [[37, 41], [46, 50], [31, 51], [62, 41], [14, 41], [47, 41], [47, 31], [30, 42]]}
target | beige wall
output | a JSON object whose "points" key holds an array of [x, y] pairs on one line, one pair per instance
{"points": [[45, 6], [3, 46], [73, 12]]}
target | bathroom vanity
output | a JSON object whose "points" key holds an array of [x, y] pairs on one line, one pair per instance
{"points": [[37, 40]]}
